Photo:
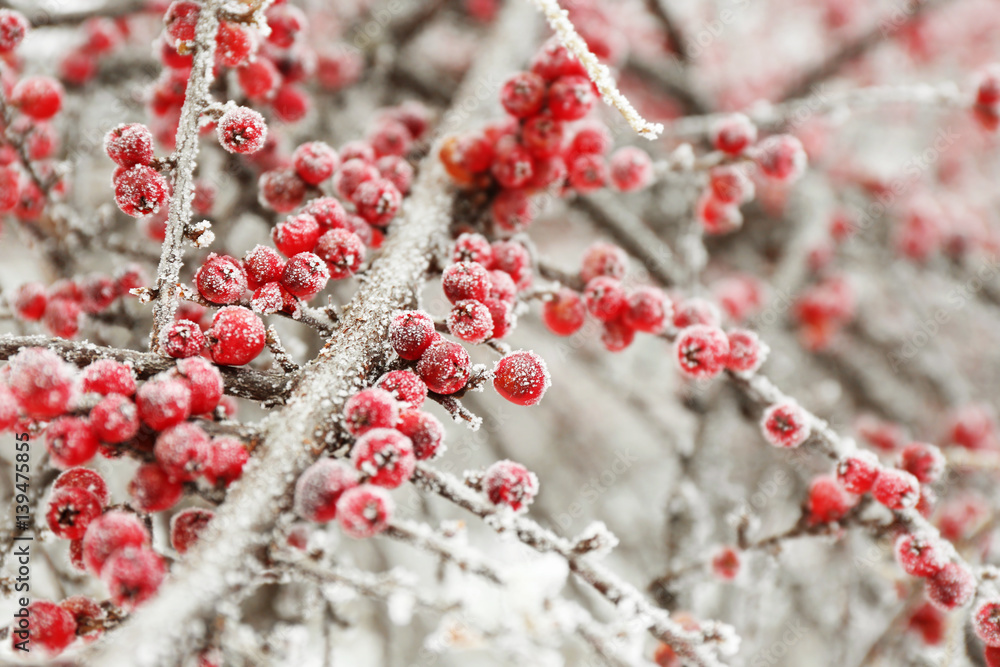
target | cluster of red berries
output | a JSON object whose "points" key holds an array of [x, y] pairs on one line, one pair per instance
{"points": [[779, 158], [823, 309], [101, 36], [54, 627], [235, 336], [986, 106], [62, 306], [545, 144]]}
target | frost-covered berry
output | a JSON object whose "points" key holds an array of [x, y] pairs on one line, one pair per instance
{"points": [[986, 622], [781, 157], [281, 190], [153, 489], [405, 386], [509, 484], [205, 382], [87, 615], [235, 44], [730, 185], [472, 248], [630, 169], [512, 166], [603, 259], [343, 252], [186, 527], [828, 501], [39, 97], [465, 280], [29, 301], [139, 190], [242, 130], [50, 627], [564, 313], [587, 173], [425, 432], [922, 460], [571, 97], [62, 317], [397, 171], [952, 587], [181, 19], [445, 367], [896, 489], [183, 339], [181, 451], [295, 234], [733, 134], [647, 309], [554, 60], [411, 332], [226, 458], [857, 473], [521, 377], [543, 135], [512, 210], [502, 287], [746, 351], [319, 488], [107, 376], [163, 402], [114, 419], [108, 533], [133, 576], [98, 293], [305, 275], [364, 511], [920, 555], [351, 174], [70, 511], [86, 479], [385, 456], [785, 425], [972, 427], [41, 381], [13, 27], [70, 442], [369, 409], [290, 104], [726, 563], [377, 201], [701, 351], [513, 259], [470, 321], [617, 335], [129, 144], [262, 265], [221, 279], [315, 161], [236, 337], [286, 23], [605, 298]]}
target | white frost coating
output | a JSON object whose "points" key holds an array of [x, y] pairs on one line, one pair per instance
{"points": [[558, 18]]}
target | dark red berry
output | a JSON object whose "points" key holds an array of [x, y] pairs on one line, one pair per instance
{"points": [[445, 367], [236, 337], [425, 432], [70, 511], [186, 526]]}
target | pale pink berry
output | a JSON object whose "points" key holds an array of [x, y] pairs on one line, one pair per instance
{"points": [[364, 511]]}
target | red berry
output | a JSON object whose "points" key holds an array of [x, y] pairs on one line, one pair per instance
{"points": [[502, 287], [351, 175], [472, 248], [41, 381], [828, 501], [952, 587], [242, 130], [181, 19], [923, 461], [86, 479], [114, 419], [592, 138], [605, 298], [13, 27], [262, 265], [107, 376], [339, 69], [733, 134], [368, 409], [315, 162], [513, 259], [630, 169], [286, 22], [357, 150], [39, 97], [920, 555], [153, 489], [730, 184], [543, 135], [726, 563], [502, 315], [391, 138], [70, 442], [258, 78], [617, 335], [183, 339], [186, 527], [342, 251], [425, 432], [571, 97], [237, 336], [305, 275], [384, 456], [62, 317], [746, 351], [205, 382], [9, 409], [648, 310], [554, 60], [972, 427], [991, 656], [132, 576], [235, 44], [226, 458], [405, 386], [364, 511], [564, 313], [29, 301], [290, 104], [87, 615], [470, 321], [139, 190], [377, 201], [397, 171], [523, 94], [785, 425], [857, 473], [986, 622], [781, 157], [587, 173], [718, 217], [603, 259], [129, 145], [111, 532], [221, 279], [512, 164], [281, 190], [463, 281], [445, 367], [512, 211], [182, 450], [411, 332], [521, 377], [98, 293], [50, 626], [883, 435], [297, 233], [70, 511], [320, 487], [510, 484], [929, 622], [896, 489], [163, 402]]}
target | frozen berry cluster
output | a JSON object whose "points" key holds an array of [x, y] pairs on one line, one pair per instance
{"points": [[63, 306]]}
